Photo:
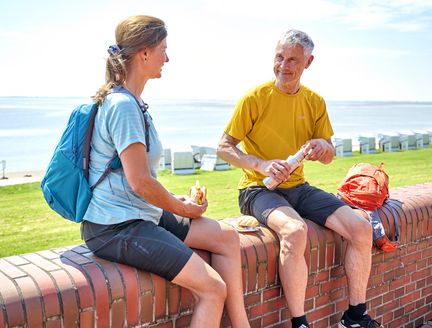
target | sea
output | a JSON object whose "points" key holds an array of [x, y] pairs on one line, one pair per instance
{"points": [[30, 127]]}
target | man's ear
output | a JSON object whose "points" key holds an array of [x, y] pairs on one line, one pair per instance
{"points": [[309, 61]]}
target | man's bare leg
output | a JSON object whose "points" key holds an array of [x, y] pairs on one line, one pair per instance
{"points": [[293, 271], [358, 258]]}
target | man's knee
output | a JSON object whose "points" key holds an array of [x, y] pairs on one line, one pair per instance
{"points": [[293, 237], [361, 232]]}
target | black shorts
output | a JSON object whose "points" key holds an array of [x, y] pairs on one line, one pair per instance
{"points": [[308, 201], [142, 244]]}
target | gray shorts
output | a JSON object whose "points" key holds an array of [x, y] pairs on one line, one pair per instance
{"points": [[142, 244], [308, 201]]}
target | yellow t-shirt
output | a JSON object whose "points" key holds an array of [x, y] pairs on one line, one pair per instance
{"points": [[273, 125]]}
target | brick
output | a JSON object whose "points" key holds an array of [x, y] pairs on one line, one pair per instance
{"points": [[130, 282], [80, 281], [41, 262], [118, 314], [273, 292], [183, 321], [186, 300], [100, 290], [80, 259], [251, 257], [87, 320], [146, 315], [48, 254], [255, 298], [333, 284], [12, 302], [270, 319], [11, 270], [68, 296], [260, 250], [173, 299], [272, 248], [54, 323], [262, 275], [16, 260], [159, 296], [32, 301], [47, 289], [322, 312]]}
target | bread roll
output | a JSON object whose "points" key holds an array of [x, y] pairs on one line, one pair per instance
{"points": [[248, 221]]}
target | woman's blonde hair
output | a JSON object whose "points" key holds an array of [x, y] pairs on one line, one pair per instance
{"points": [[132, 35]]}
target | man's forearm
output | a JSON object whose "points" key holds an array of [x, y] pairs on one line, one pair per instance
{"points": [[236, 157]]}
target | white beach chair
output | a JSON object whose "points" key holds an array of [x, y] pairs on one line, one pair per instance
{"points": [[211, 162], [407, 141], [182, 163], [429, 132], [367, 145], [343, 147], [199, 152], [422, 139], [165, 160], [389, 142]]}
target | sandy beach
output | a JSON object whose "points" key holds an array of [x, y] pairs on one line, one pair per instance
{"points": [[11, 178]]}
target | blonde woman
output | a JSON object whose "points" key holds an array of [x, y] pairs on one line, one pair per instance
{"points": [[132, 218]]}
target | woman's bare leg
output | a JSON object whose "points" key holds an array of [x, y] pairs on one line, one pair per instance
{"points": [[208, 289], [223, 242]]}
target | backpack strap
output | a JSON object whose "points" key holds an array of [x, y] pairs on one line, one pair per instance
{"points": [[108, 169], [87, 140], [396, 219], [114, 164], [142, 106]]}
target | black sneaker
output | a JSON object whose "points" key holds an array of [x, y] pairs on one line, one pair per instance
{"points": [[365, 322]]}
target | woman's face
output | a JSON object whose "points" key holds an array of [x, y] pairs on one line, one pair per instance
{"points": [[156, 58]]}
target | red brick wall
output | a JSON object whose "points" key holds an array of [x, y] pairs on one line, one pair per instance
{"points": [[69, 287]]}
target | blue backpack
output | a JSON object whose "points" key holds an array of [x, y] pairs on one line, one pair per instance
{"points": [[65, 185]]}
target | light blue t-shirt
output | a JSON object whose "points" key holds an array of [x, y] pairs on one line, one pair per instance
{"points": [[120, 123]]}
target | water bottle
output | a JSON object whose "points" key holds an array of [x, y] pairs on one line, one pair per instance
{"points": [[294, 162]]}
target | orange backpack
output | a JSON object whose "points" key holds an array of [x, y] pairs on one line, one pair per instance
{"points": [[365, 186]]}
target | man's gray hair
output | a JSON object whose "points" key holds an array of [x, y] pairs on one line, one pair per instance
{"points": [[298, 37]]}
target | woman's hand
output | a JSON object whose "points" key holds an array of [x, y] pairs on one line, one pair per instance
{"points": [[192, 210]]}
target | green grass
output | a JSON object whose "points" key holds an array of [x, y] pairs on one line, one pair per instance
{"points": [[27, 224]]}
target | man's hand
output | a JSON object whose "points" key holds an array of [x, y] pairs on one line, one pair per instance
{"points": [[277, 169], [319, 150]]}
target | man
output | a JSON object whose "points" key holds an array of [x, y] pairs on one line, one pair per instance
{"points": [[273, 121]]}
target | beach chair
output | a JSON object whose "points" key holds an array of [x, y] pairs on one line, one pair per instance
{"points": [[165, 160], [422, 139], [199, 152], [367, 145], [389, 142], [343, 147], [407, 141], [211, 162], [182, 163]]}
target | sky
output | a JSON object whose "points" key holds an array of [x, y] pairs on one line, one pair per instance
{"points": [[218, 49]]}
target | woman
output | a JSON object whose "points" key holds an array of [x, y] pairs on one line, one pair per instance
{"points": [[132, 218]]}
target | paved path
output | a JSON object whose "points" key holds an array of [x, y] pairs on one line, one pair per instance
{"points": [[20, 179]]}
